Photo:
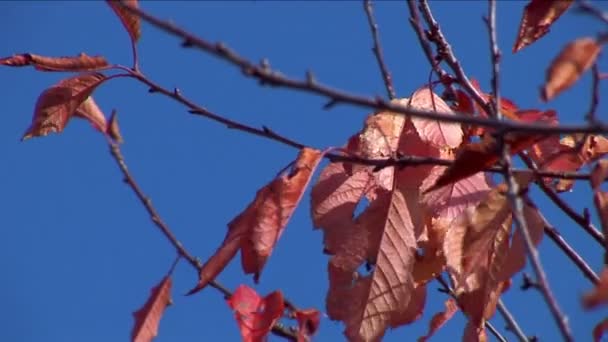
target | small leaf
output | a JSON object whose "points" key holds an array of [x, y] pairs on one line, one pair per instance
{"points": [[440, 319], [599, 295], [89, 110], [576, 58], [257, 229], [148, 317], [308, 323], [538, 16], [113, 128], [130, 21], [599, 330], [81, 62], [254, 315], [56, 105]]}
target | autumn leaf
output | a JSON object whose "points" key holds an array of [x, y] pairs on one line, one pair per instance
{"points": [[308, 323], [256, 230], [89, 110], [576, 58], [599, 295], [56, 105], [440, 318], [130, 21], [437, 133], [255, 315], [538, 16], [148, 317], [113, 129], [599, 330], [81, 62]]}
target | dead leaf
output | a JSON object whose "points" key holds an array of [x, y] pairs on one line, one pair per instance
{"points": [[131, 22], [254, 315], [440, 318], [599, 330], [81, 62], [257, 229], [56, 105], [576, 58], [538, 16], [308, 323], [148, 317], [89, 110], [599, 295]]}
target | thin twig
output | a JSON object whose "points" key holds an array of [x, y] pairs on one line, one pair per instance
{"points": [[377, 49], [278, 330], [595, 94], [268, 76], [586, 7], [512, 324]]}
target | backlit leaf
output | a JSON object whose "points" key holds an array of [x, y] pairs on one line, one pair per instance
{"points": [[538, 16], [81, 62], [256, 230], [308, 323], [599, 295], [148, 317], [440, 318], [255, 315], [131, 22], [576, 58], [56, 105]]}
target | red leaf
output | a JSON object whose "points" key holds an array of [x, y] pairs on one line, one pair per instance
{"points": [[257, 229], [131, 22], [81, 62], [599, 330], [254, 315], [308, 323], [437, 133], [576, 58], [148, 317], [89, 110], [538, 16], [599, 295], [56, 105], [440, 319]]}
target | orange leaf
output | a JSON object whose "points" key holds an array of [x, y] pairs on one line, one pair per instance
{"points": [[56, 105], [599, 330], [148, 317], [576, 58], [538, 16], [257, 229], [254, 315], [440, 319], [599, 295], [308, 323], [131, 22], [81, 62], [89, 110]]}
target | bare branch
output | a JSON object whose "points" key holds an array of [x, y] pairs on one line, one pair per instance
{"points": [[587, 8], [377, 49]]}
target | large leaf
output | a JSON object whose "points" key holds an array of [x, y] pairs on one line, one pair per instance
{"points": [[538, 16], [148, 317], [256, 230], [56, 105], [81, 62], [255, 315]]}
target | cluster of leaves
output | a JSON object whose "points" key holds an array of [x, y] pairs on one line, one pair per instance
{"points": [[405, 225]]}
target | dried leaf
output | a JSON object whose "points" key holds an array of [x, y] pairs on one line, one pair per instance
{"points": [[56, 105], [599, 330], [81, 62], [440, 318], [257, 229], [308, 323], [599, 295], [538, 16], [148, 317], [89, 110], [437, 133], [254, 315], [131, 22], [576, 58]]}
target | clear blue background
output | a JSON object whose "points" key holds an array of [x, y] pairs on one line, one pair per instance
{"points": [[79, 254]]}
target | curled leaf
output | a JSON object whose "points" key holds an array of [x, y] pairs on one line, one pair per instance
{"points": [[255, 315], [130, 21], [148, 317], [440, 319], [257, 229], [308, 323], [538, 16], [576, 58], [113, 128], [89, 110], [81, 62], [56, 105]]}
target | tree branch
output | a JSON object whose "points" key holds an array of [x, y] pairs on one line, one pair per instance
{"points": [[377, 49]]}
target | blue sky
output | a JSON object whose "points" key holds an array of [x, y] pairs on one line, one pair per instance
{"points": [[78, 252]]}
